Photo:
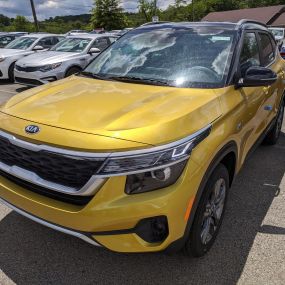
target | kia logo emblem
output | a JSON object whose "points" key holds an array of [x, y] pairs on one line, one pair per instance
{"points": [[32, 129]]}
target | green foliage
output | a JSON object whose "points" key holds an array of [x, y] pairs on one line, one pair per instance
{"points": [[147, 9], [20, 23], [108, 14]]}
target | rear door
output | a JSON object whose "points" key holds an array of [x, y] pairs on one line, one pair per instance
{"points": [[270, 59]]}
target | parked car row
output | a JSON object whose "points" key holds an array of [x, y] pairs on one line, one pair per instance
{"points": [[6, 38], [37, 59]]}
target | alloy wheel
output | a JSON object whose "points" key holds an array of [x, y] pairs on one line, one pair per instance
{"points": [[213, 211]]}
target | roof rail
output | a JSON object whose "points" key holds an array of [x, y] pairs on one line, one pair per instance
{"points": [[155, 23], [247, 21]]}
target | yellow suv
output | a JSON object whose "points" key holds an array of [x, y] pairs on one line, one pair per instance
{"points": [[138, 152]]}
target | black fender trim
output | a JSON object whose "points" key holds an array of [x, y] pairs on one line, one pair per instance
{"points": [[228, 148]]}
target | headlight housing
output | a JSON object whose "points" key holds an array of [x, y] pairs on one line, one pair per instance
{"points": [[152, 169], [49, 67], [154, 180], [2, 58]]}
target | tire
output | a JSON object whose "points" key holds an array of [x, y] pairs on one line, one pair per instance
{"points": [[11, 72], [200, 239], [71, 71], [274, 134]]}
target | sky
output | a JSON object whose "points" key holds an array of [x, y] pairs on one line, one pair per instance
{"points": [[51, 8]]}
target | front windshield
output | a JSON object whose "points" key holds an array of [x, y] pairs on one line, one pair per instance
{"points": [[277, 33], [71, 45], [175, 56], [21, 43]]}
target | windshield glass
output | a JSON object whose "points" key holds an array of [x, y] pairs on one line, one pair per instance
{"points": [[21, 43], [277, 32], [180, 56], [71, 45]]}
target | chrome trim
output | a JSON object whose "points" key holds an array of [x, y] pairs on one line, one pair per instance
{"points": [[50, 225], [88, 189], [38, 147]]}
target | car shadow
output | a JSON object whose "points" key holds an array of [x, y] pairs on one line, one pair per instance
{"points": [[33, 254]]}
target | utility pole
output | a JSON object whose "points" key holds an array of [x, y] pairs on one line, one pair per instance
{"points": [[34, 15], [193, 11]]}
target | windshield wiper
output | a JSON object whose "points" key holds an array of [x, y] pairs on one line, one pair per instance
{"points": [[93, 75], [135, 79]]}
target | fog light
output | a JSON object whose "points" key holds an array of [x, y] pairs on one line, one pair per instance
{"points": [[153, 230]]}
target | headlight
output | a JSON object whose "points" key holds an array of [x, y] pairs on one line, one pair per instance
{"points": [[49, 67], [157, 179], [2, 58], [153, 169]]}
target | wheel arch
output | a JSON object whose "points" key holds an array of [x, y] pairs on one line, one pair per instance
{"points": [[228, 156], [73, 66]]}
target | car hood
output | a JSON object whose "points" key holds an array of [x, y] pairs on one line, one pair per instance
{"points": [[148, 114], [47, 57], [11, 52]]}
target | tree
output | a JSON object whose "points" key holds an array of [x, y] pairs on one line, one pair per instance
{"points": [[147, 9], [4, 21], [20, 23], [108, 14]]}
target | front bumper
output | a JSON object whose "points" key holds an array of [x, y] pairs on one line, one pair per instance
{"points": [[49, 225], [4, 67], [38, 78], [108, 219]]}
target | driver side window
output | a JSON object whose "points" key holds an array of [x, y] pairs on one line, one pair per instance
{"points": [[250, 53]]}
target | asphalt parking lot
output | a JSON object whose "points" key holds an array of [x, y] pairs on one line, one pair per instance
{"points": [[250, 248]]}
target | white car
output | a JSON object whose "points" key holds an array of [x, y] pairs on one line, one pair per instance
{"points": [[68, 57], [21, 47], [279, 35]]}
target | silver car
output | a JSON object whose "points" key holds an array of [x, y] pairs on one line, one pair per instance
{"points": [[21, 47], [68, 57]]}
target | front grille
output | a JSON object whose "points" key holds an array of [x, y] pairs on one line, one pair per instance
{"points": [[27, 68], [28, 81], [75, 200], [64, 170]]}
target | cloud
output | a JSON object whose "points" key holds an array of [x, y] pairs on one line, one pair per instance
{"points": [[51, 8]]}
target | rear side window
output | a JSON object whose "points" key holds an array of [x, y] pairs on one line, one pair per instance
{"points": [[267, 50], [101, 43], [250, 53], [46, 42], [112, 39]]}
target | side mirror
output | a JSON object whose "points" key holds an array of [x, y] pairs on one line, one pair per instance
{"points": [[37, 48], [94, 50], [257, 76]]}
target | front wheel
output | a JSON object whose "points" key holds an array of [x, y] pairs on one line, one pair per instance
{"points": [[209, 214], [11, 73], [71, 71], [274, 134]]}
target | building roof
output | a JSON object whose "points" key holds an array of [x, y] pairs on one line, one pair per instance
{"points": [[266, 15]]}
